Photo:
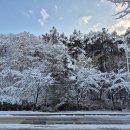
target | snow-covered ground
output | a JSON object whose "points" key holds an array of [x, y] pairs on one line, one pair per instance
{"points": [[63, 127], [79, 120]]}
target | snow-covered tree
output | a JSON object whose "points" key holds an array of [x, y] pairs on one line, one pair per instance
{"points": [[75, 44], [54, 71], [34, 86], [102, 47], [52, 36]]}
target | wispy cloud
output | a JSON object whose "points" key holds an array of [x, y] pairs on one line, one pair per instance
{"points": [[29, 13], [96, 27], [56, 8], [99, 2], [102, 1], [82, 23], [85, 20], [120, 25], [43, 17]]}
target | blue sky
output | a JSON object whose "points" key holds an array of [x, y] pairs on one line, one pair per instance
{"points": [[38, 16]]}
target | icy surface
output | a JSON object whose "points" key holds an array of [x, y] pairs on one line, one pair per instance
{"points": [[65, 112], [89, 115], [64, 127]]}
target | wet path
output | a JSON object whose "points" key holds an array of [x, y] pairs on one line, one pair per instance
{"points": [[69, 121]]}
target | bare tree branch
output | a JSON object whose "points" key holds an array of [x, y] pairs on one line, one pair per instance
{"points": [[124, 12]]}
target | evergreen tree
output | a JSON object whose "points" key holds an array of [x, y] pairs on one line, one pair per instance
{"points": [[75, 44], [53, 36], [102, 47]]}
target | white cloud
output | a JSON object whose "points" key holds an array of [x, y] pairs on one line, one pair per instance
{"points": [[85, 20], [44, 16], [82, 23], [120, 25], [56, 8], [96, 27], [29, 13], [102, 1], [99, 2], [119, 7]]}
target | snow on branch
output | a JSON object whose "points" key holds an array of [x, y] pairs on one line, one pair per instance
{"points": [[124, 12]]}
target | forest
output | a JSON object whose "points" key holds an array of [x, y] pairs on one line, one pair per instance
{"points": [[55, 72]]}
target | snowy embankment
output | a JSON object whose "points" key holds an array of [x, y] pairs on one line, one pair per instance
{"points": [[64, 127]]}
